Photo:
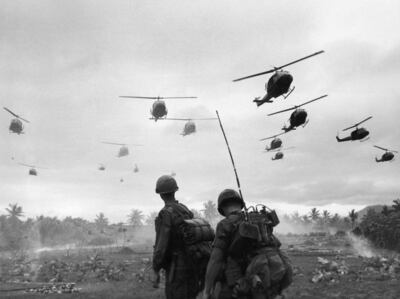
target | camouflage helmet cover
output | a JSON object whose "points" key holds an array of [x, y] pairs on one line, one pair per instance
{"points": [[228, 195], [166, 184]]}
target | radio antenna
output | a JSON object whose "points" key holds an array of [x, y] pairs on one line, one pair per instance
{"points": [[233, 162]]}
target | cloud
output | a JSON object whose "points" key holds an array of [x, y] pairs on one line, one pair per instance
{"points": [[64, 64]]}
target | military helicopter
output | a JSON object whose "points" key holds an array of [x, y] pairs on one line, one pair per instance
{"points": [[279, 83], [357, 134], [32, 169], [136, 169], [298, 116], [190, 126], [279, 154], [387, 156], [16, 125], [275, 143], [124, 150], [102, 167], [159, 109]]}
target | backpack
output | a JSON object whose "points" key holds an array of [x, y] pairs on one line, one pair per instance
{"points": [[197, 235], [267, 270]]}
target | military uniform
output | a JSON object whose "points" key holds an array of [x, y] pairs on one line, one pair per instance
{"points": [[169, 254], [252, 268], [223, 237]]}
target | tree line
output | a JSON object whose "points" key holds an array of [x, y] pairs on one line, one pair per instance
{"points": [[18, 232]]}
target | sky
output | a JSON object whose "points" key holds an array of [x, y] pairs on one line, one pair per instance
{"points": [[64, 64]]}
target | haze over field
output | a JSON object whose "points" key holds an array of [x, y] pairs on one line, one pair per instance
{"points": [[64, 64]]}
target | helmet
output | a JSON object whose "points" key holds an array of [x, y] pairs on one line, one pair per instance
{"points": [[228, 195], [166, 184]]}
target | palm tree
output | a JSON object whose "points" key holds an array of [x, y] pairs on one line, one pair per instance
{"points": [[14, 211], [335, 219], [385, 210], [151, 218], [305, 219], [326, 215], [101, 222], [396, 205], [314, 214], [135, 218], [353, 217], [295, 218]]}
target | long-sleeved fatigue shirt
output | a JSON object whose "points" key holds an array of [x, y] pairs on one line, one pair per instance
{"points": [[168, 240]]}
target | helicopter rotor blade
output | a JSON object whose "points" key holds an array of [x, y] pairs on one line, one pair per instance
{"points": [[385, 149], [27, 165], [272, 136], [277, 68], [297, 106], [135, 97], [189, 119], [156, 98], [325, 95], [284, 110], [185, 119], [113, 143], [177, 97], [16, 115], [357, 124], [382, 148]]}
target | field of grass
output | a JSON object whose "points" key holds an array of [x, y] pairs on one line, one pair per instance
{"points": [[303, 251]]}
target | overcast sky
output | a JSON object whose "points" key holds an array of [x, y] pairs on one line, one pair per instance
{"points": [[64, 64]]}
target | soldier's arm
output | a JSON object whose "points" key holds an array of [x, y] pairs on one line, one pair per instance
{"points": [[162, 240], [214, 268]]}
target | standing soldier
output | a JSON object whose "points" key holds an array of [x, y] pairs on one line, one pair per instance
{"points": [[246, 259], [169, 249]]}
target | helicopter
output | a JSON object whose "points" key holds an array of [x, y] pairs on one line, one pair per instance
{"points": [[136, 169], [387, 156], [16, 125], [32, 169], [279, 154], [357, 134], [298, 116], [159, 109], [279, 83], [102, 167], [124, 150], [275, 143], [190, 126]]}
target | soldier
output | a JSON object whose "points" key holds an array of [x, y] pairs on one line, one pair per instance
{"points": [[244, 267], [181, 281]]}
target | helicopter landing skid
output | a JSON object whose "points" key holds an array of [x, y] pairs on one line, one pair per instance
{"points": [[363, 140], [305, 124], [285, 96]]}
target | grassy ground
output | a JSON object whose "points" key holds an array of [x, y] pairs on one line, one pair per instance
{"points": [[356, 284]]}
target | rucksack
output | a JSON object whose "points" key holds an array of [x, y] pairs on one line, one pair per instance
{"points": [[267, 270], [197, 235]]}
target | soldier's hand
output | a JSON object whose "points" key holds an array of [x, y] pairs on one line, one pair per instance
{"points": [[155, 279]]}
